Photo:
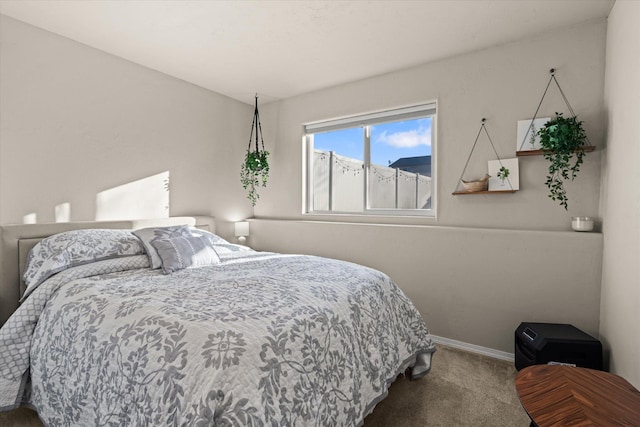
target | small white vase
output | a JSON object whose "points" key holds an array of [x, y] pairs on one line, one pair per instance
{"points": [[582, 223]]}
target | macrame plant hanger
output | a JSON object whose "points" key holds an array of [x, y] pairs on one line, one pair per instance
{"points": [[255, 168], [531, 128], [482, 128], [258, 128]]}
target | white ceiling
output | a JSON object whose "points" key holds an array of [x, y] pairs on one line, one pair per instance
{"points": [[280, 49]]}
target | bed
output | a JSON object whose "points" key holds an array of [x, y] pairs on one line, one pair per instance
{"points": [[216, 334]]}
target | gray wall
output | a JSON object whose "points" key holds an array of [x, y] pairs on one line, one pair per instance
{"points": [[620, 309], [488, 261], [503, 84], [75, 121], [470, 284]]}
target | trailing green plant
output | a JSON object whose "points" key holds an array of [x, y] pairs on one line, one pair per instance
{"points": [[254, 173], [562, 140], [503, 173]]}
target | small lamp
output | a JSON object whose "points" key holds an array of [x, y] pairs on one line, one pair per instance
{"points": [[242, 231]]}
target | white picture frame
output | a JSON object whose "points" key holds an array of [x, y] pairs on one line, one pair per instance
{"points": [[528, 140], [512, 182]]}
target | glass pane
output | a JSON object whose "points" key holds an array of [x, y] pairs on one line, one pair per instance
{"points": [[400, 173], [338, 170]]}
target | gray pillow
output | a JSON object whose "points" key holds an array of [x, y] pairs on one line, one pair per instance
{"points": [[178, 253], [214, 238], [71, 248], [146, 235]]}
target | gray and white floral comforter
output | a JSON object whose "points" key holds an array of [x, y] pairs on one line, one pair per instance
{"points": [[259, 340]]}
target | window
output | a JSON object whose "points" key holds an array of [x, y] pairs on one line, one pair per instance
{"points": [[379, 163]]}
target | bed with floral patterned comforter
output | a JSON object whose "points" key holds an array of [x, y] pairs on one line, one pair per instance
{"points": [[259, 339]]}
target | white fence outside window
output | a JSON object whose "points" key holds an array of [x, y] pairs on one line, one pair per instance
{"points": [[338, 185]]}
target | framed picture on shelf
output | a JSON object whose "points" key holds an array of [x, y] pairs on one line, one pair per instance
{"points": [[506, 180], [528, 138]]}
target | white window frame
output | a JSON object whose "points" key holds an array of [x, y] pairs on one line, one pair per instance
{"points": [[366, 121]]}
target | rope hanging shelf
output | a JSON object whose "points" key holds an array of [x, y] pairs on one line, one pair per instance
{"points": [[479, 186], [521, 152]]}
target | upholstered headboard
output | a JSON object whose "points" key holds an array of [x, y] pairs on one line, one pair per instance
{"points": [[17, 240]]}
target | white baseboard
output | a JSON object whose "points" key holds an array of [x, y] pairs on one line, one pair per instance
{"points": [[485, 351]]}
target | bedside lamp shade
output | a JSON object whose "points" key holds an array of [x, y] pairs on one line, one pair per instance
{"points": [[242, 230]]}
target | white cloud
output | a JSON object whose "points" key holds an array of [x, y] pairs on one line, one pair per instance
{"points": [[406, 139]]}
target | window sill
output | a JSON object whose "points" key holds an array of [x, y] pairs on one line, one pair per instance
{"points": [[372, 218], [425, 223]]}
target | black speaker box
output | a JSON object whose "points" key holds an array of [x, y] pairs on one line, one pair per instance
{"points": [[542, 343]]}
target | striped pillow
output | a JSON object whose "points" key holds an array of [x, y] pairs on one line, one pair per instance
{"points": [[178, 253]]}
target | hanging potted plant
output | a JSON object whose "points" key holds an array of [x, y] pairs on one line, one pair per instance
{"points": [[563, 141], [254, 173], [255, 168]]}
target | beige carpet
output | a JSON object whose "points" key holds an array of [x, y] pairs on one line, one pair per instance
{"points": [[462, 389]]}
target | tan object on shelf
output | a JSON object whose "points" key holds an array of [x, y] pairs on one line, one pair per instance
{"points": [[476, 185]]}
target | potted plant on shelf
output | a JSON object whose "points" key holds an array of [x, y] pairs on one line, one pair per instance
{"points": [[563, 140], [503, 173]]}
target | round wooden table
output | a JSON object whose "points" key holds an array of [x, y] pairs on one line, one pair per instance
{"points": [[555, 395]]}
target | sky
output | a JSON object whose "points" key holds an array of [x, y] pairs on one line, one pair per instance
{"points": [[389, 141]]}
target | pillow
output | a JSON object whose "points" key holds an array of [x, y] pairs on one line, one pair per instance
{"points": [[71, 248], [179, 253], [230, 248], [146, 235], [214, 238]]}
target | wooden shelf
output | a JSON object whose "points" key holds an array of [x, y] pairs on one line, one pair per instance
{"points": [[463, 193], [587, 149]]}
